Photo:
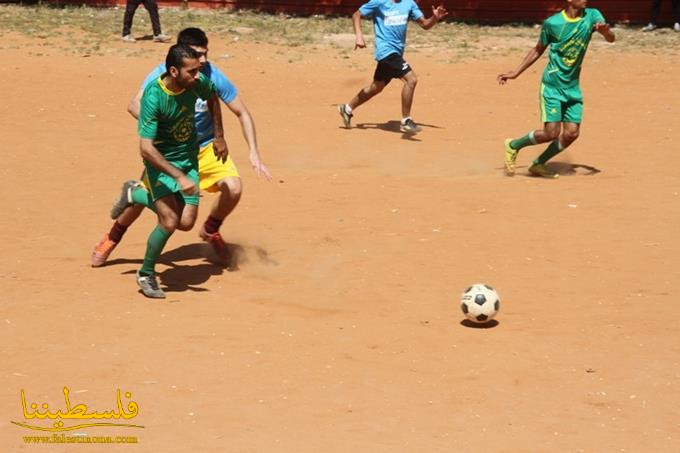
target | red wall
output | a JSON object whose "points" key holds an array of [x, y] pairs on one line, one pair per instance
{"points": [[499, 11]]}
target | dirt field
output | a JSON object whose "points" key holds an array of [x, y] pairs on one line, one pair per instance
{"points": [[341, 329]]}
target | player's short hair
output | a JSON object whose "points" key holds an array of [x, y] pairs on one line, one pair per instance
{"points": [[192, 36], [177, 53]]}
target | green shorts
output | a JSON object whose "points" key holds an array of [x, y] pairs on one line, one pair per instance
{"points": [[561, 104], [161, 185]]}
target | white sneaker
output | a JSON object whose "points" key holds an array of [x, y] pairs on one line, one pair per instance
{"points": [[129, 38], [149, 286], [409, 126], [161, 38], [649, 27], [346, 116], [676, 27]]}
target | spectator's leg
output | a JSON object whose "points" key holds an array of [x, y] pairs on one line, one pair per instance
{"points": [[152, 7], [656, 8], [130, 8], [676, 11]]}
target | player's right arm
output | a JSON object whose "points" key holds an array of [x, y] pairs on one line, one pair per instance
{"points": [[530, 58], [366, 10], [359, 42]]}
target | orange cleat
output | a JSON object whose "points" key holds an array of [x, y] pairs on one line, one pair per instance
{"points": [[102, 251]]}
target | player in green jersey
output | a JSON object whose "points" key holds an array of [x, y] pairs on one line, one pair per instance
{"points": [[568, 34], [169, 148]]}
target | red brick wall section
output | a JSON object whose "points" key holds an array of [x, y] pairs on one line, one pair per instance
{"points": [[494, 11]]}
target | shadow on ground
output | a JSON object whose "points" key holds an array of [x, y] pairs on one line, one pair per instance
{"points": [[394, 126], [562, 168], [187, 277], [487, 325]]}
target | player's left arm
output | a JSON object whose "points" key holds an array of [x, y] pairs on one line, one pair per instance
{"points": [[239, 109], [604, 29], [438, 14], [229, 95]]}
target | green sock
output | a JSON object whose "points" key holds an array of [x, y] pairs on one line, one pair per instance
{"points": [[157, 240], [143, 197], [521, 142], [551, 151]]}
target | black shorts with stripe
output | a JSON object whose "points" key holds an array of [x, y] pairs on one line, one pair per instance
{"points": [[391, 67]]}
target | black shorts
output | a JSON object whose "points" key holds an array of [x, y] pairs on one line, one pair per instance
{"points": [[391, 67]]}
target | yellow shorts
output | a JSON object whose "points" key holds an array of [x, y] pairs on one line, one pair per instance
{"points": [[210, 169]]}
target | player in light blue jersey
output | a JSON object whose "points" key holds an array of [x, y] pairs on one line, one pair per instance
{"points": [[215, 175], [390, 21]]}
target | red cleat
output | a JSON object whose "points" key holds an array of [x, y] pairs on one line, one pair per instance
{"points": [[219, 246]]}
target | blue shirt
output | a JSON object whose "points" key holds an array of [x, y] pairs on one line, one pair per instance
{"points": [[224, 89], [389, 23]]}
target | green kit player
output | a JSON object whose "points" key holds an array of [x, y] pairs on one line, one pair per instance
{"points": [[168, 145], [568, 35]]}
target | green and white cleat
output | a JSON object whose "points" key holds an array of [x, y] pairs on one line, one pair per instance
{"points": [[125, 198], [149, 286]]}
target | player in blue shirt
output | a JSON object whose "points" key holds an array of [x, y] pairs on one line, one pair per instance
{"points": [[390, 20], [215, 175]]}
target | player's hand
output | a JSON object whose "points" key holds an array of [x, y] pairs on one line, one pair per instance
{"points": [[186, 185], [220, 149], [439, 12], [601, 27], [259, 167], [503, 78], [359, 43]]}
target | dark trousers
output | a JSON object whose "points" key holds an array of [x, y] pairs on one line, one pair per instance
{"points": [[656, 8], [151, 7]]}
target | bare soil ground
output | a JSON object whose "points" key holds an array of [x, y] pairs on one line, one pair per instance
{"points": [[341, 329]]}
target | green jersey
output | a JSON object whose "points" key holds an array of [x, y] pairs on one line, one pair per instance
{"points": [[568, 39], [167, 118]]}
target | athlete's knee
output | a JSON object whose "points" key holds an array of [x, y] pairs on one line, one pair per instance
{"points": [[570, 136], [186, 224], [230, 187], [412, 81], [169, 223], [188, 219], [551, 133]]}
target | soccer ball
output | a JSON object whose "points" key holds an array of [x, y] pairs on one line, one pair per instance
{"points": [[480, 303]]}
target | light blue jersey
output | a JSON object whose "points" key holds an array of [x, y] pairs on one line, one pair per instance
{"points": [[224, 89], [389, 22]]}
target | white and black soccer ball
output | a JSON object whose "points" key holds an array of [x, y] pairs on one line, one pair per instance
{"points": [[480, 303]]}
